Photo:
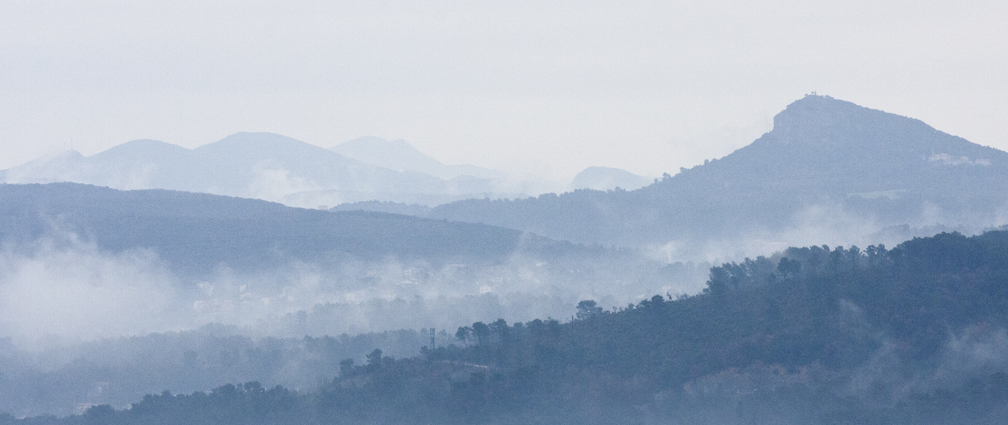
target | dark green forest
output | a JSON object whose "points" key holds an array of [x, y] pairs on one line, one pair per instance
{"points": [[915, 334]]}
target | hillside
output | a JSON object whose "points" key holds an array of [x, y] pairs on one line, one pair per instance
{"points": [[195, 233], [823, 154], [912, 335], [81, 264]]}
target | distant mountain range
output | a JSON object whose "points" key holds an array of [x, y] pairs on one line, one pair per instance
{"points": [[266, 166], [276, 168], [826, 163]]}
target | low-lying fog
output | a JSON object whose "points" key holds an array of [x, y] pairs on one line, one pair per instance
{"points": [[70, 310], [60, 289]]}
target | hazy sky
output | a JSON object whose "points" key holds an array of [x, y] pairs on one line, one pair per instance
{"points": [[540, 86]]}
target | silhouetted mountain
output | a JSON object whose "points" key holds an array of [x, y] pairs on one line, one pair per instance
{"points": [[606, 178], [198, 232], [252, 165], [823, 154], [401, 156]]}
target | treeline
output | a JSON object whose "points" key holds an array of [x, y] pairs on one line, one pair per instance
{"points": [[915, 334], [120, 371]]}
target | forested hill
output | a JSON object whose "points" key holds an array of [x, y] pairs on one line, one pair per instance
{"points": [[198, 232], [912, 335], [884, 168]]}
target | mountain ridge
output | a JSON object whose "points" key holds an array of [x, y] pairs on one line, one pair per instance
{"points": [[822, 153], [196, 232], [256, 165]]}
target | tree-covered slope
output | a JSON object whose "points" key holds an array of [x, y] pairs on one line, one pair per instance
{"points": [[915, 334]]}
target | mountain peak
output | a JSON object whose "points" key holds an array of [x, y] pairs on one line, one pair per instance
{"points": [[143, 148], [817, 119], [826, 161], [256, 139], [815, 111], [821, 141], [262, 146]]}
